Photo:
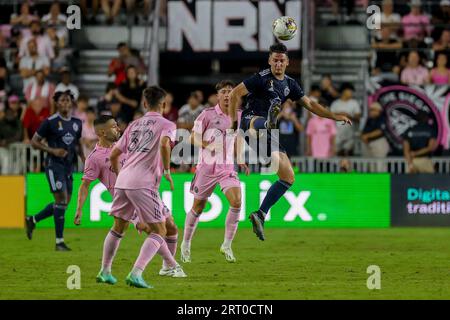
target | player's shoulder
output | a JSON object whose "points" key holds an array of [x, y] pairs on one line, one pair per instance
{"points": [[265, 72], [75, 119], [91, 156]]}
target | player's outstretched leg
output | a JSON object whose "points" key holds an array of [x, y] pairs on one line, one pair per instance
{"points": [[172, 241], [231, 223], [190, 224], [275, 192], [31, 221]]}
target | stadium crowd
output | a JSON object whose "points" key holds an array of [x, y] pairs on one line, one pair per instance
{"points": [[35, 62]]}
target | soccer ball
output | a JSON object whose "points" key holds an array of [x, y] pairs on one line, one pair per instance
{"points": [[284, 28]]}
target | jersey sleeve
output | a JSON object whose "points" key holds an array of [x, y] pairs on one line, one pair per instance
{"points": [[123, 141], [44, 130], [170, 130], [296, 92], [91, 169], [253, 83], [199, 123]]}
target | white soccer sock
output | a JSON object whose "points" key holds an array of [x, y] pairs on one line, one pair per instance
{"points": [[227, 243], [136, 272], [59, 240]]}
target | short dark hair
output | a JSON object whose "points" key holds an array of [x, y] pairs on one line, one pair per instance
{"points": [[90, 109], [345, 86], [224, 83], [110, 86], [278, 48], [102, 120], [59, 94], [153, 95], [121, 44], [315, 87]]}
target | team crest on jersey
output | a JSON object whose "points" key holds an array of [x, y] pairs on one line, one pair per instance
{"points": [[75, 127], [286, 91], [68, 138]]}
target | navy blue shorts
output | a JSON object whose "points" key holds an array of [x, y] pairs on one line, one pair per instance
{"points": [[59, 178], [245, 125]]}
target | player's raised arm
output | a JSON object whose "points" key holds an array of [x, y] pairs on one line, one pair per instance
{"points": [[165, 155], [321, 111], [82, 196], [235, 97]]}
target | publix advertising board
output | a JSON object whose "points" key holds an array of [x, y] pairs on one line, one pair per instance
{"points": [[315, 200]]}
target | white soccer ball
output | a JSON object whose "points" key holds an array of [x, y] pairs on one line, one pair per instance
{"points": [[284, 28]]}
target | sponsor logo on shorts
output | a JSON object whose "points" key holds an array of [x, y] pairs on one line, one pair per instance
{"points": [[58, 185]]}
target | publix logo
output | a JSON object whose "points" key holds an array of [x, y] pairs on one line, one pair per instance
{"points": [[296, 201]]}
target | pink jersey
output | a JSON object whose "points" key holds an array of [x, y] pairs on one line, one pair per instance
{"points": [[141, 144], [212, 125], [98, 166]]}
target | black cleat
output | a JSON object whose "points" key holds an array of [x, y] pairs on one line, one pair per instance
{"points": [[257, 219], [272, 116], [62, 247], [29, 226]]}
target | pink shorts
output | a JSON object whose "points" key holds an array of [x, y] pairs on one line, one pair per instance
{"points": [[203, 184], [143, 204]]}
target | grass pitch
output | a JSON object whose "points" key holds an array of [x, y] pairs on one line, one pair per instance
{"points": [[290, 264]]}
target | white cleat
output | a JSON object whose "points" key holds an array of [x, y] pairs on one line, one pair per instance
{"points": [[229, 256], [165, 271], [177, 272], [185, 253]]}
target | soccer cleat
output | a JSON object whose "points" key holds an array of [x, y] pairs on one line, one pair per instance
{"points": [[105, 278], [185, 253], [257, 220], [272, 116], [62, 247], [165, 271], [229, 256], [137, 282], [30, 226], [177, 272]]}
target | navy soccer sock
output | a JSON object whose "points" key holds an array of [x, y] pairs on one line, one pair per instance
{"points": [[58, 214], [45, 213], [274, 193]]}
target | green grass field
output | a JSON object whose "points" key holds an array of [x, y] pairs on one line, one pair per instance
{"points": [[290, 264]]}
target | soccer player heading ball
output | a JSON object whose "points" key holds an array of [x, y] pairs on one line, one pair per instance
{"points": [[266, 92]]}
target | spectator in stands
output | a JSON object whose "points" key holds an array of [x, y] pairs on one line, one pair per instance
{"points": [[10, 132], [419, 142], [289, 128], [111, 9], [58, 44], [118, 65], [105, 102], [212, 101], [32, 62], [416, 24], [88, 136], [440, 74], [440, 16], [129, 94], [346, 105], [320, 137], [3, 74], [81, 109], [25, 17], [66, 83], [169, 112], [91, 19], [389, 18], [15, 106], [386, 54], [56, 19], [200, 96], [44, 45], [35, 114], [414, 73], [189, 112], [328, 91], [375, 143], [444, 41], [144, 7], [41, 89]]}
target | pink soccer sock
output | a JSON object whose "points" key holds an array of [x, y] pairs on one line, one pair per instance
{"points": [[190, 225], [231, 224], [172, 245], [110, 246], [148, 250], [167, 256]]}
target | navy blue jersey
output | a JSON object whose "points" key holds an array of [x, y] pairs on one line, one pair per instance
{"points": [[61, 133], [264, 90], [419, 136]]}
